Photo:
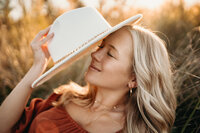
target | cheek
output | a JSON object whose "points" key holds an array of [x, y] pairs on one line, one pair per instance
{"points": [[117, 73]]}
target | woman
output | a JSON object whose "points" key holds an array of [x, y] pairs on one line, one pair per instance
{"points": [[129, 90]]}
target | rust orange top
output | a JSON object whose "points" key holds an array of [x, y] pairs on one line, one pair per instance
{"points": [[42, 117]]}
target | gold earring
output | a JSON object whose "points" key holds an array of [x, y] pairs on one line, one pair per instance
{"points": [[130, 92]]}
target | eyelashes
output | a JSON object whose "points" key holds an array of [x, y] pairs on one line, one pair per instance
{"points": [[100, 46], [108, 53]]}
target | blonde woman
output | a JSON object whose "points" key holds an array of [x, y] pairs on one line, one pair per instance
{"points": [[129, 90]]}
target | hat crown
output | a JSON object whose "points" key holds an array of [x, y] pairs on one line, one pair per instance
{"points": [[74, 28]]}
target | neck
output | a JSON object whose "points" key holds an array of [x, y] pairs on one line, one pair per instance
{"points": [[109, 98]]}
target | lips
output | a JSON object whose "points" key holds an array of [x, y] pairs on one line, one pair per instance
{"points": [[94, 67]]}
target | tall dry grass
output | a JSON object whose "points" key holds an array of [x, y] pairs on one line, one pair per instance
{"points": [[175, 21], [187, 83], [16, 56], [182, 27]]}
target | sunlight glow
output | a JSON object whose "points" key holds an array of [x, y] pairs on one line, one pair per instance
{"points": [[150, 4], [16, 12], [62, 4], [192, 2]]}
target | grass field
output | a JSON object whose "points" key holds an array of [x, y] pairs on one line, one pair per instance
{"points": [[177, 25]]}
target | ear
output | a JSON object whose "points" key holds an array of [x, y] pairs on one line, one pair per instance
{"points": [[132, 82]]}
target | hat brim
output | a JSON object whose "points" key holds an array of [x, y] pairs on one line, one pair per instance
{"points": [[90, 45]]}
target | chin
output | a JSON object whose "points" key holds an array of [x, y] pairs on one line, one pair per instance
{"points": [[90, 79]]}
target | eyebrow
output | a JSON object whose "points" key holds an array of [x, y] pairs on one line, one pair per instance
{"points": [[113, 47]]}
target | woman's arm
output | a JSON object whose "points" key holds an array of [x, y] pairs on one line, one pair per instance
{"points": [[12, 107]]}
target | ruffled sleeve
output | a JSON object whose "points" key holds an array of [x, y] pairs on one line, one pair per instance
{"points": [[37, 105]]}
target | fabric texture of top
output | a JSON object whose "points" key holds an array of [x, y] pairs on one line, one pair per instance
{"points": [[42, 117]]}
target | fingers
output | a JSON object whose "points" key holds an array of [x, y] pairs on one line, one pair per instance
{"points": [[37, 44], [43, 44], [45, 50], [47, 38], [42, 33]]}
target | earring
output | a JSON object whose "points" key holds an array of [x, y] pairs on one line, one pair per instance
{"points": [[131, 91]]}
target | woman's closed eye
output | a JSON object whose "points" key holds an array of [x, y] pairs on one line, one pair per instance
{"points": [[108, 53]]}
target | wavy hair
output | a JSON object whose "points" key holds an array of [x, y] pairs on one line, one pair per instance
{"points": [[151, 107]]}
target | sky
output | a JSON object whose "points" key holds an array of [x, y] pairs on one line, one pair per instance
{"points": [[16, 13]]}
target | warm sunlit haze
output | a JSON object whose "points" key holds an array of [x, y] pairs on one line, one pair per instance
{"points": [[176, 22]]}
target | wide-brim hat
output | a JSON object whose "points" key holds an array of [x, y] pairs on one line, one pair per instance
{"points": [[75, 33]]}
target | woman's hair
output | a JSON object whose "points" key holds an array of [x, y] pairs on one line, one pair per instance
{"points": [[151, 107]]}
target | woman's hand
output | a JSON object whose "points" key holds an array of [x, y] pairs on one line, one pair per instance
{"points": [[19, 96], [39, 47]]}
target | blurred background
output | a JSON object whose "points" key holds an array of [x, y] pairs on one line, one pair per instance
{"points": [[175, 21]]}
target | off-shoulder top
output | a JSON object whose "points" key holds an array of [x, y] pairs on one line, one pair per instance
{"points": [[42, 117]]}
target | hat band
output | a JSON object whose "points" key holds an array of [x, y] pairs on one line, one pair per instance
{"points": [[80, 46]]}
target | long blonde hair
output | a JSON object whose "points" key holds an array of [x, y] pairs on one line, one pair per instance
{"points": [[151, 107]]}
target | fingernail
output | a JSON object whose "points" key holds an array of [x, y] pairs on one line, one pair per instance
{"points": [[44, 36]]}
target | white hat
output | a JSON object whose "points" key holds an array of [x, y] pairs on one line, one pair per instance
{"points": [[76, 32]]}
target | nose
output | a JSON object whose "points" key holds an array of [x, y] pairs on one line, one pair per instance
{"points": [[97, 55]]}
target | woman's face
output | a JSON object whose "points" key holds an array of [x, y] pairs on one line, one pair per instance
{"points": [[113, 61]]}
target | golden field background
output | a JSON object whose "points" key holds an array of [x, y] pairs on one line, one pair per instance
{"points": [[177, 25]]}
